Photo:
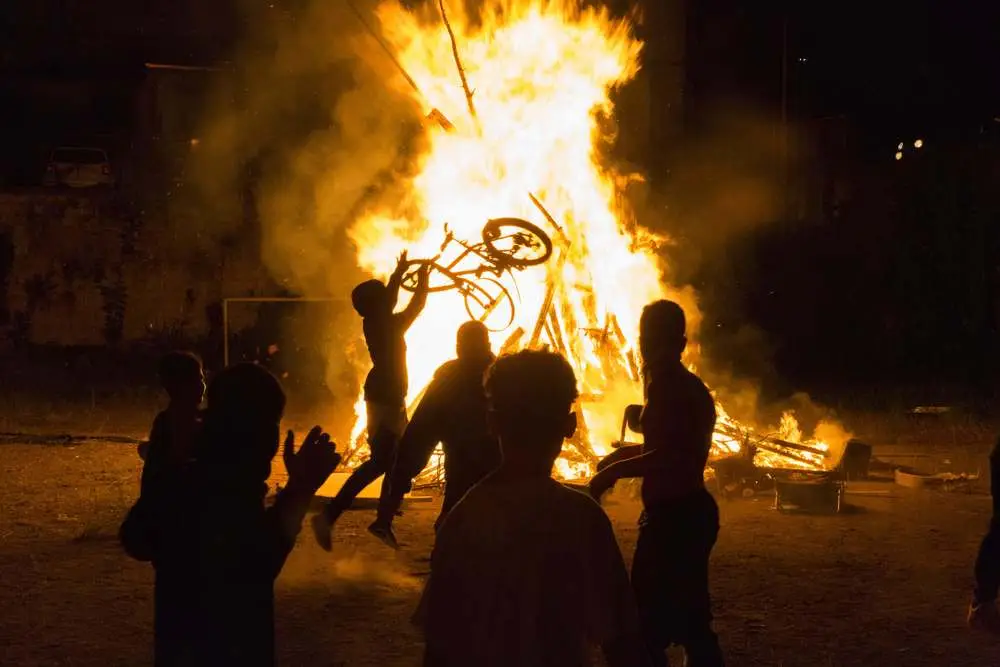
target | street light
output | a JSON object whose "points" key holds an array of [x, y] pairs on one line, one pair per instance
{"points": [[919, 143], [899, 155]]}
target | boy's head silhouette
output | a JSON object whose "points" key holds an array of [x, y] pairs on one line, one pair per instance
{"points": [[662, 331], [531, 395], [370, 298], [183, 378], [242, 422], [473, 341]]}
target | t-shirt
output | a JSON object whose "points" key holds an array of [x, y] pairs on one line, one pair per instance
{"points": [[525, 573], [387, 381], [453, 412], [171, 440]]}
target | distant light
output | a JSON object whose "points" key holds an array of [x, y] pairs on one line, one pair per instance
{"points": [[195, 142], [900, 146], [919, 143], [899, 155], [802, 60]]}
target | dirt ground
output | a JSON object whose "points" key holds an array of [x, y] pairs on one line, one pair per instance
{"points": [[885, 583]]}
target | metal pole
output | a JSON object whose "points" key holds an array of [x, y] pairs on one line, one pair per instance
{"points": [[387, 49], [784, 115]]}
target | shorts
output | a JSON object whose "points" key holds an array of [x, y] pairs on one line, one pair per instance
{"points": [[385, 425]]}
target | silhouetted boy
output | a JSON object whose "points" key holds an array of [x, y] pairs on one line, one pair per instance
{"points": [[216, 548], [526, 572], [385, 387], [983, 612], [453, 412], [680, 520], [172, 436]]}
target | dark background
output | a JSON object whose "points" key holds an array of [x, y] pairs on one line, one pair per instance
{"points": [[869, 271]]}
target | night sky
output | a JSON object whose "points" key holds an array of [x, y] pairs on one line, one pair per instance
{"points": [[920, 66], [886, 65]]}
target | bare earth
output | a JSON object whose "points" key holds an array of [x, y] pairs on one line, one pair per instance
{"points": [[884, 584]]}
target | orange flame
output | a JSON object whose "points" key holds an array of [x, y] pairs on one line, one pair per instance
{"points": [[542, 72]]}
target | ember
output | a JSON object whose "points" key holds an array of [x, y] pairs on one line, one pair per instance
{"points": [[525, 144]]}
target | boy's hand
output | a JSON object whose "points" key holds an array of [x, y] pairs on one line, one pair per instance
{"points": [[316, 459], [401, 263]]}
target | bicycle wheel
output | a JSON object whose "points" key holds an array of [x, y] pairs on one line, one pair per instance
{"points": [[489, 302], [439, 280], [516, 242]]}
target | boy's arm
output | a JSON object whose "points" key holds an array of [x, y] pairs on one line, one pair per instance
{"points": [[284, 522], [307, 470], [620, 454], [666, 420], [395, 280], [158, 441], [637, 465], [392, 287], [417, 301]]}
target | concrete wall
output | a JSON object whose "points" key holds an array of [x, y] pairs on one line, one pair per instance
{"points": [[77, 255]]}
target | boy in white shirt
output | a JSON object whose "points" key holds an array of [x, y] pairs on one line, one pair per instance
{"points": [[525, 571]]}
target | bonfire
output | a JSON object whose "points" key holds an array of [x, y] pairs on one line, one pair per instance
{"points": [[525, 227]]}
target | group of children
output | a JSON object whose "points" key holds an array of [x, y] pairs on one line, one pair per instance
{"points": [[524, 571]]}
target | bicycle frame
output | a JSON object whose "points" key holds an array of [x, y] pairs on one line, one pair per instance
{"points": [[490, 263], [479, 285]]}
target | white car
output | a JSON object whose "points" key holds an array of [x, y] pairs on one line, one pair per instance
{"points": [[78, 168]]}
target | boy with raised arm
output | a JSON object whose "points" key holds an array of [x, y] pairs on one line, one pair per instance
{"points": [[385, 387]]}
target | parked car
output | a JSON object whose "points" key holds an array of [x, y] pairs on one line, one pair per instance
{"points": [[78, 168]]}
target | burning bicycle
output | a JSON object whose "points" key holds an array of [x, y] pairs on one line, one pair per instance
{"points": [[508, 244]]}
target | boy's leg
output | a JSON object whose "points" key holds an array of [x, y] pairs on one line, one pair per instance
{"points": [[392, 491], [983, 612], [170, 614], [651, 588], [363, 475], [670, 580], [987, 567], [322, 523], [384, 428], [385, 449], [696, 537]]}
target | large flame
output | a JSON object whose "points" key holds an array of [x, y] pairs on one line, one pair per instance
{"points": [[542, 72]]}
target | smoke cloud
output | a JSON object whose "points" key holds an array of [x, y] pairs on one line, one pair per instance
{"points": [[312, 119]]}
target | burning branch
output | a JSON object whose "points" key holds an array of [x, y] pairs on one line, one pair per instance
{"points": [[435, 114], [548, 216], [461, 70]]}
